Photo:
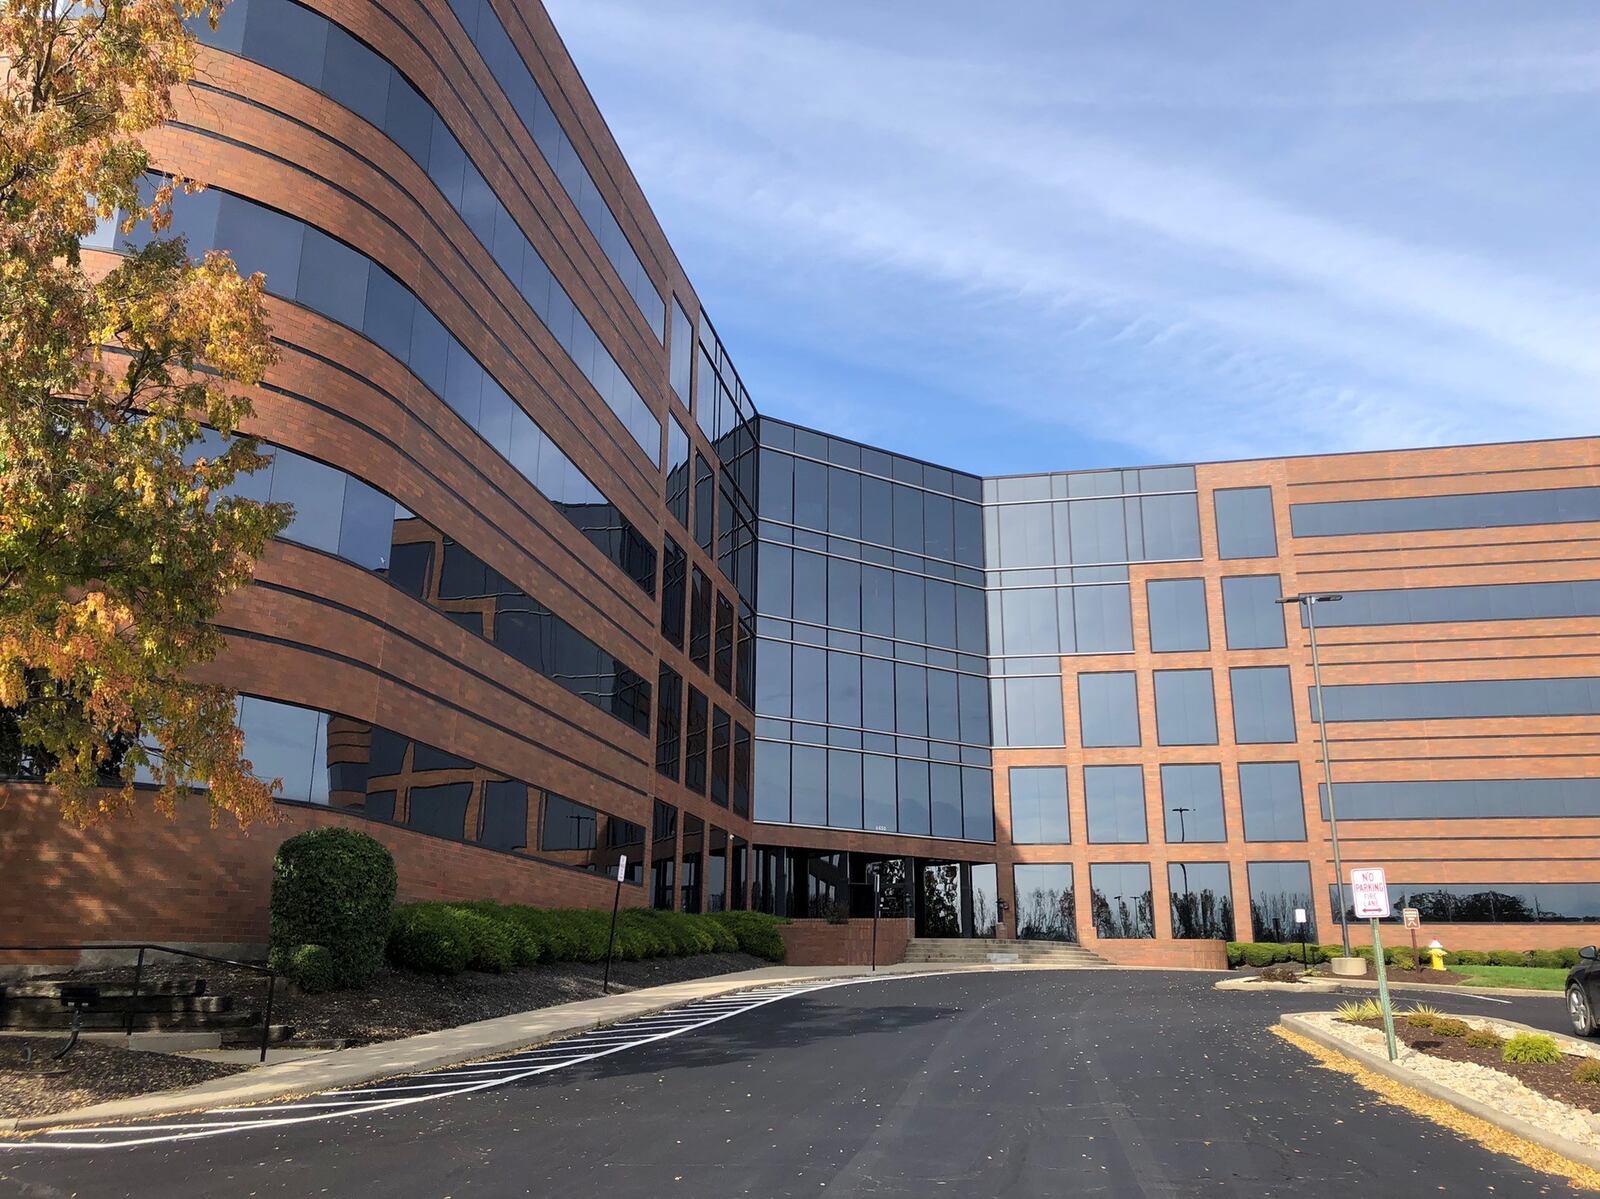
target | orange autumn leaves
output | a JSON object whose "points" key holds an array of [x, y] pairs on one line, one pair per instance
{"points": [[117, 544]]}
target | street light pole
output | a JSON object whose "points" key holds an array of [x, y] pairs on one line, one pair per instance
{"points": [[1310, 603]]}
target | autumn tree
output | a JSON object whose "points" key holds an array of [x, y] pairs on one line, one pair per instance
{"points": [[118, 542]]}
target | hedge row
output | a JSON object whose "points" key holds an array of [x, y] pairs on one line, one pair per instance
{"points": [[1258, 953], [447, 938]]}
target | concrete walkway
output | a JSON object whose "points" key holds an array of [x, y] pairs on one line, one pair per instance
{"points": [[486, 1038]]}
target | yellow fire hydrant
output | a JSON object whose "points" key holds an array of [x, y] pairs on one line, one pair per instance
{"points": [[1436, 952]]}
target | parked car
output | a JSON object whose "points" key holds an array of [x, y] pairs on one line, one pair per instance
{"points": [[1583, 993]]}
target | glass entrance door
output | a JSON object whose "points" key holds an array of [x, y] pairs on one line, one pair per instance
{"points": [[955, 899]]}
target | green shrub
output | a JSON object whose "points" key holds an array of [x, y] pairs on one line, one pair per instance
{"points": [[1531, 1048], [492, 941], [756, 933], [1549, 959], [1264, 954], [1449, 1026], [1235, 952], [332, 887], [1569, 957], [1587, 1072], [1360, 1009], [1507, 957], [1401, 958], [431, 937], [1483, 1038], [1466, 957], [311, 967]]}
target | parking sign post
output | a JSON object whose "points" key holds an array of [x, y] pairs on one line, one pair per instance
{"points": [[1371, 894], [616, 902]]}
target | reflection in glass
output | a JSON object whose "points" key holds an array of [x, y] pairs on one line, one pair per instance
{"points": [[1202, 900], [1121, 900], [1044, 897], [1277, 889]]}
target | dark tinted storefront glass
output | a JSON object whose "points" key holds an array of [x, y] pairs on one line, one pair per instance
{"points": [[1202, 900], [1045, 910], [691, 882], [1123, 907], [694, 768], [1039, 805], [1492, 903], [1192, 799], [1251, 613], [1108, 709], [1277, 889], [669, 722], [1263, 706], [1274, 809], [1245, 526], [1186, 708], [700, 619], [663, 855], [1177, 615], [1114, 799]]}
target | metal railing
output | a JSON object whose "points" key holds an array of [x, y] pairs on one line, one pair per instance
{"points": [[138, 974]]}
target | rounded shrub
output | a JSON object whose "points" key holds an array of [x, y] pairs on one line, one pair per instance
{"points": [[1259, 955], [1483, 1038], [492, 942], [1401, 958], [332, 887], [1549, 959], [1569, 957], [1531, 1048], [430, 937], [1467, 957], [311, 967], [1507, 957], [757, 933], [1587, 1072]]}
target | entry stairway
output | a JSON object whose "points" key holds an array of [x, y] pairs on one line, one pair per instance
{"points": [[977, 951]]}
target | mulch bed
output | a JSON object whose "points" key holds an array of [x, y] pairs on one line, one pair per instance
{"points": [[91, 1073], [401, 1003], [1554, 1080]]}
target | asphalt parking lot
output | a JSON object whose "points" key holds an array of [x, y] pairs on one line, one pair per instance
{"points": [[1003, 1084]]}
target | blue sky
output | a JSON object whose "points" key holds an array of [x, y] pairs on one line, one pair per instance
{"points": [[1042, 235]]}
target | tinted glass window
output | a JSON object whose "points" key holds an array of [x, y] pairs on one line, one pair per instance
{"points": [[1027, 711], [1202, 900], [1103, 619], [674, 591], [743, 770], [1177, 615], [1250, 610], [1114, 799], [1438, 605], [1171, 527], [682, 353], [880, 810], [1474, 799], [810, 785], [677, 472], [1186, 711], [669, 718], [1108, 709], [1269, 793], [724, 646], [1039, 805], [772, 782], [912, 782], [1277, 889], [440, 810], [721, 750], [1044, 902], [700, 619], [505, 815], [1121, 899], [977, 804], [1244, 523], [1493, 903], [1263, 709], [694, 769], [1192, 799], [704, 504], [944, 799], [1491, 510], [1463, 700]]}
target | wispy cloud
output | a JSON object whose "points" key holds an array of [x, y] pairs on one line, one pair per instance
{"points": [[913, 224]]}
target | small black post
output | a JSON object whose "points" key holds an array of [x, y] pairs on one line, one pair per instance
{"points": [[616, 902], [266, 1020], [138, 973], [876, 905], [1305, 962]]}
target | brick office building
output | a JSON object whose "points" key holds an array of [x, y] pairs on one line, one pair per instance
{"points": [[556, 594]]}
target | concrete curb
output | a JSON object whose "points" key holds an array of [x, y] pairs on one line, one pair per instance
{"points": [[1456, 989], [468, 1042], [1319, 986], [1379, 1064]]}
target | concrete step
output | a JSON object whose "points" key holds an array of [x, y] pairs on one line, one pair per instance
{"points": [[247, 1035], [21, 1007], [111, 1019], [51, 988], [934, 951]]}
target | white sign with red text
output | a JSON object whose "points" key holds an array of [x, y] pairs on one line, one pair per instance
{"points": [[1371, 893]]}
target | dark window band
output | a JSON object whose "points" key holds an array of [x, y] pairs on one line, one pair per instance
{"points": [[1466, 799], [1415, 514], [1467, 700], [1491, 903], [1442, 605]]}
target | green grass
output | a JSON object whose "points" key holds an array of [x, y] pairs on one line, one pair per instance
{"points": [[1538, 978]]}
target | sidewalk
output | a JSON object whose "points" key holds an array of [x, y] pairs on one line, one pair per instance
{"points": [[345, 1068]]}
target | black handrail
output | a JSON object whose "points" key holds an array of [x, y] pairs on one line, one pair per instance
{"points": [[138, 973]]}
